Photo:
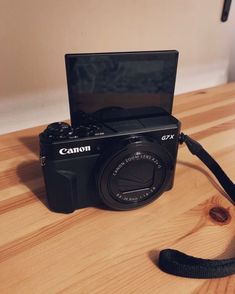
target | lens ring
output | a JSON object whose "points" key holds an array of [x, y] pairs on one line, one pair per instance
{"points": [[136, 178], [121, 189]]}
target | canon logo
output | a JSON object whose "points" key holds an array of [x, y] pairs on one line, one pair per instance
{"points": [[65, 151]]}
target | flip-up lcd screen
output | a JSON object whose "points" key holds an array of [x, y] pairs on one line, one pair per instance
{"points": [[112, 81]]}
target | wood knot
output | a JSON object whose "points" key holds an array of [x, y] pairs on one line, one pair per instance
{"points": [[220, 215]]}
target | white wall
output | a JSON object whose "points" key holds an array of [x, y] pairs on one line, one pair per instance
{"points": [[35, 35]]}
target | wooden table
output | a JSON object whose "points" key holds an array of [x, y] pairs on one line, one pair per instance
{"points": [[102, 251]]}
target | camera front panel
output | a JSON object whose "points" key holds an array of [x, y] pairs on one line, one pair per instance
{"points": [[71, 166]]}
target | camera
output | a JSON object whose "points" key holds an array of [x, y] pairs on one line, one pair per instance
{"points": [[121, 147]]}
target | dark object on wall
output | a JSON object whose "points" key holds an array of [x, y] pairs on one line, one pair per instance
{"points": [[226, 9]]}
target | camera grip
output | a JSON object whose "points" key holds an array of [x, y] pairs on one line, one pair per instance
{"points": [[61, 191]]}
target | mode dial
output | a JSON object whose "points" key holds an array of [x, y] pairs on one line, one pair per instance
{"points": [[58, 131]]}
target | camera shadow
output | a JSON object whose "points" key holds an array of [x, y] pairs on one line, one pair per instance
{"points": [[153, 255], [32, 143], [229, 252], [29, 172]]}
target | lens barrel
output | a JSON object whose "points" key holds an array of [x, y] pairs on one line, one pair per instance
{"points": [[133, 173]]}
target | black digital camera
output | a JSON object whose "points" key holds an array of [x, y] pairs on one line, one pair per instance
{"points": [[122, 144]]}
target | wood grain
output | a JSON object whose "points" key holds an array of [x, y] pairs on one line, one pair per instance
{"points": [[102, 251]]}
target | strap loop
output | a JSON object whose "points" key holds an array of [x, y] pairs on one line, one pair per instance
{"points": [[177, 263]]}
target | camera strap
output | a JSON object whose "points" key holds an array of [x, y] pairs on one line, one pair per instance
{"points": [[177, 263]]}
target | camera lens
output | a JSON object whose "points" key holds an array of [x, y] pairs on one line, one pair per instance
{"points": [[134, 173], [136, 177]]}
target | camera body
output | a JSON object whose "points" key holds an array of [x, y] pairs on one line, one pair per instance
{"points": [[124, 164], [122, 144]]}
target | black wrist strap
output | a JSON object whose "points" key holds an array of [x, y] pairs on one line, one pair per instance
{"points": [[177, 263]]}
